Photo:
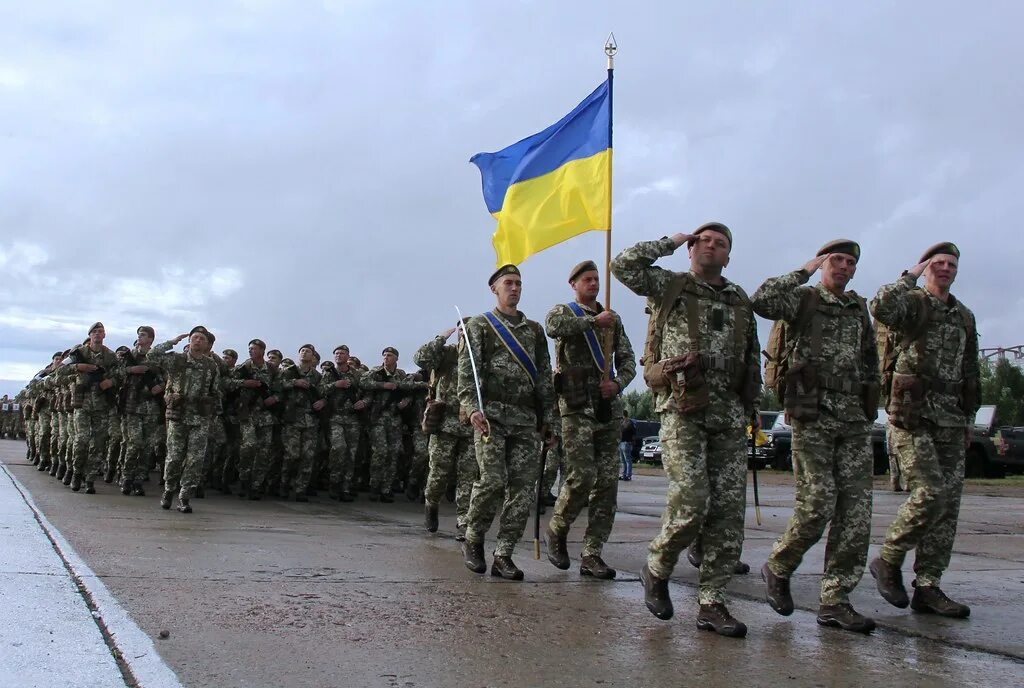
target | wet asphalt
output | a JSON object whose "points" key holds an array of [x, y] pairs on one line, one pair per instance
{"points": [[276, 593]]}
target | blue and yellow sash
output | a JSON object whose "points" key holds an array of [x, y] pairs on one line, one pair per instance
{"points": [[513, 345], [591, 335]]}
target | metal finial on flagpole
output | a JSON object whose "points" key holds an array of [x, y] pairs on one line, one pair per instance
{"points": [[610, 48]]}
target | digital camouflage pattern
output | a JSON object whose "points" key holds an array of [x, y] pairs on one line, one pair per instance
{"points": [[385, 422], [834, 453], [92, 407], [343, 425], [591, 448], [931, 458], [450, 450], [703, 453], [255, 423], [516, 407], [301, 427]]}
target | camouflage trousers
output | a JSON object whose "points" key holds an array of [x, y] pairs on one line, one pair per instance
{"points": [[932, 460], [254, 447], [186, 450], [508, 472], [300, 441], [342, 457], [229, 468], [385, 446], [833, 487], [451, 454], [68, 440], [90, 443], [140, 436], [114, 442], [213, 464], [42, 436], [31, 429], [554, 464], [591, 480], [707, 471], [419, 465]]}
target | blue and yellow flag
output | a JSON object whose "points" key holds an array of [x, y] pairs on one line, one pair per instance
{"points": [[554, 185]]}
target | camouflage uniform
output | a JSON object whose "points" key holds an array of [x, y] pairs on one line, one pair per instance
{"points": [[450, 449], [833, 452], [301, 428], [416, 476], [192, 394], [92, 410], [933, 455], [213, 464], [6, 416], [256, 424], [141, 419], [554, 461], [591, 445], [703, 452], [344, 427], [385, 424], [509, 462]]}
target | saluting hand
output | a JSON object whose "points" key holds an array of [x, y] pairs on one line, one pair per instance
{"points": [[919, 269], [814, 264], [681, 238], [180, 337], [448, 333]]}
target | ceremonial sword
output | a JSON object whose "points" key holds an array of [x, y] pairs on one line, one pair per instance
{"points": [[476, 377]]}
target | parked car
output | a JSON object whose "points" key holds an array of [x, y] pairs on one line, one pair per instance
{"points": [[778, 447], [644, 430], [993, 449], [650, 450], [756, 451]]}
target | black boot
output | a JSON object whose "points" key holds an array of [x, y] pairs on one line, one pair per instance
{"points": [[126, 487], [412, 492], [656, 595], [558, 553], [108, 477], [137, 489], [889, 579], [716, 617], [165, 500], [54, 467], [76, 482], [301, 497], [43, 466], [430, 518], [387, 497], [595, 566], [504, 567], [89, 489], [473, 553], [69, 475], [549, 499], [844, 616], [929, 599], [184, 507], [460, 533], [777, 592]]}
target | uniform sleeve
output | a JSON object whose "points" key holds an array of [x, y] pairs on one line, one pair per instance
{"points": [[625, 359], [972, 370], [562, 322], [467, 384], [754, 359], [162, 356], [891, 305], [370, 382], [779, 297], [635, 267], [545, 388], [869, 355], [430, 355]]}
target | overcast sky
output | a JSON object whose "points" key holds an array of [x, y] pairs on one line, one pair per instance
{"points": [[298, 171]]}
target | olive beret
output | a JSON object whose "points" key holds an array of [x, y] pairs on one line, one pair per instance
{"points": [[205, 332], [230, 352], [122, 350], [275, 352], [96, 326], [389, 350], [258, 342], [847, 246], [715, 227], [60, 354], [507, 269], [580, 268], [341, 347], [308, 346], [947, 247], [147, 329]]}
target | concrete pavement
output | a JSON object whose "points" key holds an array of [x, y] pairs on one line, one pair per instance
{"points": [[277, 593]]}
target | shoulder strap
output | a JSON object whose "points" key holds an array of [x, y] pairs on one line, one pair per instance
{"points": [[595, 346], [668, 301], [513, 345], [741, 316]]}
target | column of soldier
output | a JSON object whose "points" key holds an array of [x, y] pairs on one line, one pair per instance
{"points": [[495, 411]]}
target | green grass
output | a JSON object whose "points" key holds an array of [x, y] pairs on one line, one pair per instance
{"points": [[1008, 481]]}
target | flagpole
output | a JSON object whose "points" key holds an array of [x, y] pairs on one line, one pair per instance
{"points": [[610, 48]]}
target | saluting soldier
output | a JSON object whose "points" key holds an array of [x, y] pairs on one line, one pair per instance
{"points": [[702, 362], [930, 376], [514, 368], [830, 392], [590, 405]]}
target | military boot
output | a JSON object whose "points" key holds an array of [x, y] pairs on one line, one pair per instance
{"points": [[558, 554], [460, 533], [844, 616], [137, 489], [89, 489], [346, 496], [200, 492], [184, 507], [716, 617], [777, 592], [656, 594], [301, 497], [69, 474], [889, 579], [412, 492], [593, 565], [504, 567], [43, 466], [373, 496], [242, 491], [108, 477], [54, 467], [549, 499], [76, 482], [473, 553], [929, 599], [387, 497], [126, 487], [165, 500], [430, 518]]}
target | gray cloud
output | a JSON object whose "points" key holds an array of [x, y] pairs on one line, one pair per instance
{"points": [[299, 172]]}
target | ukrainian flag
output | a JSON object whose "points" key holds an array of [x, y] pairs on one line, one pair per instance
{"points": [[554, 185]]}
